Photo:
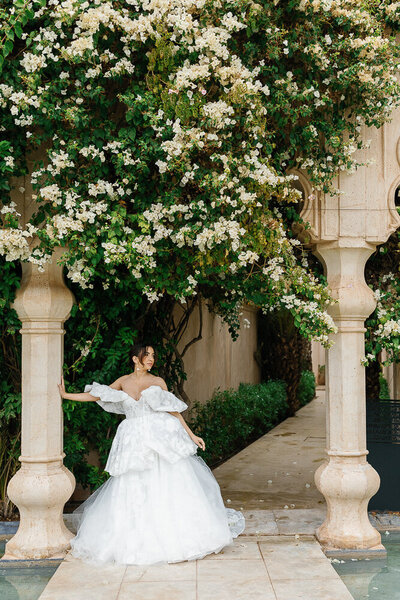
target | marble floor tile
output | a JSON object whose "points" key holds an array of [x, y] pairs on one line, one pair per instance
{"points": [[299, 521], [76, 580], [302, 560], [231, 570], [289, 544], [240, 550], [183, 571], [150, 590], [217, 590], [260, 522], [233, 580], [74, 593], [311, 589]]}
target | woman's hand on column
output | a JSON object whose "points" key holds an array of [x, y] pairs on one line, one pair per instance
{"points": [[79, 397], [61, 388]]}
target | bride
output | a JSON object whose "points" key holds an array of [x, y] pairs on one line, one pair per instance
{"points": [[161, 503]]}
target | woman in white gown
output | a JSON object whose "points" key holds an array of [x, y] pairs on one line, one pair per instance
{"points": [[161, 503]]}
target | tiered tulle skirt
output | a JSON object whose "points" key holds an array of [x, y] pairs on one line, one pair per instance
{"points": [[170, 512]]}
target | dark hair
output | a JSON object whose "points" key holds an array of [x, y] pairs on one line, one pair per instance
{"points": [[139, 349]]}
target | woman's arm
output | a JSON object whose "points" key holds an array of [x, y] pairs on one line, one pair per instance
{"points": [[197, 440], [83, 397]]}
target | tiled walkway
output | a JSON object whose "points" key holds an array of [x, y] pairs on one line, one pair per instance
{"points": [[278, 469], [277, 558], [266, 568]]}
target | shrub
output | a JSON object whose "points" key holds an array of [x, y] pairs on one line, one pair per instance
{"points": [[306, 389], [384, 393], [283, 353], [10, 410], [233, 419]]}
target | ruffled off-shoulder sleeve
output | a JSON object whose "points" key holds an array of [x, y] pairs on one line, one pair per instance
{"points": [[111, 400], [161, 400]]}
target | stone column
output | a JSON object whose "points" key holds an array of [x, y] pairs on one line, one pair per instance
{"points": [[347, 480], [345, 228], [42, 485]]}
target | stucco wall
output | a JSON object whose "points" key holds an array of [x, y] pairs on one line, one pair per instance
{"points": [[217, 361]]}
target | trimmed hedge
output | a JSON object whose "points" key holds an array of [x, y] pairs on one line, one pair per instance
{"points": [[384, 393], [306, 389], [232, 419]]}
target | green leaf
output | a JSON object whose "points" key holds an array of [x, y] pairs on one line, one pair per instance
{"points": [[7, 48], [18, 29]]}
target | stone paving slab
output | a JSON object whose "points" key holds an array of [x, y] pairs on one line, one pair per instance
{"points": [[254, 567], [302, 521], [260, 522], [299, 521], [76, 580]]}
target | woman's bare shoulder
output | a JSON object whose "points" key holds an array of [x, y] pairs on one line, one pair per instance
{"points": [[117, 384], [160, 381]]}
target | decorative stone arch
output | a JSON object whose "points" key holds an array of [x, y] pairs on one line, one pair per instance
{"points": [[306, 188], [391, 200]]}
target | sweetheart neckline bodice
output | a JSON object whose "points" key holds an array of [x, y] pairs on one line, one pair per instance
{"points": [[141, 393]]}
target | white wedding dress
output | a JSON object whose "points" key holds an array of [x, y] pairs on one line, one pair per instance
{"points": [[162, 503]]}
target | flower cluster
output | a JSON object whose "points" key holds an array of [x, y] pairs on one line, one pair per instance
{"points": [[383, 327]]}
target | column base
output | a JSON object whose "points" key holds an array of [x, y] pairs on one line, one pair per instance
{"points": [[375, 553], [348, 483], [40, 497]]}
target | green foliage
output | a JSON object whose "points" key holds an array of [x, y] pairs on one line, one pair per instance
{"points": [[10, 382], [383, 326], [306, 389], [384, 393], [10, 340], [14, 16], [10, 412], [234, 418], [385, 10]]}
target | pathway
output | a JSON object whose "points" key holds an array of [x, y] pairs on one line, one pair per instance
{"points": [[278, 469]]}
